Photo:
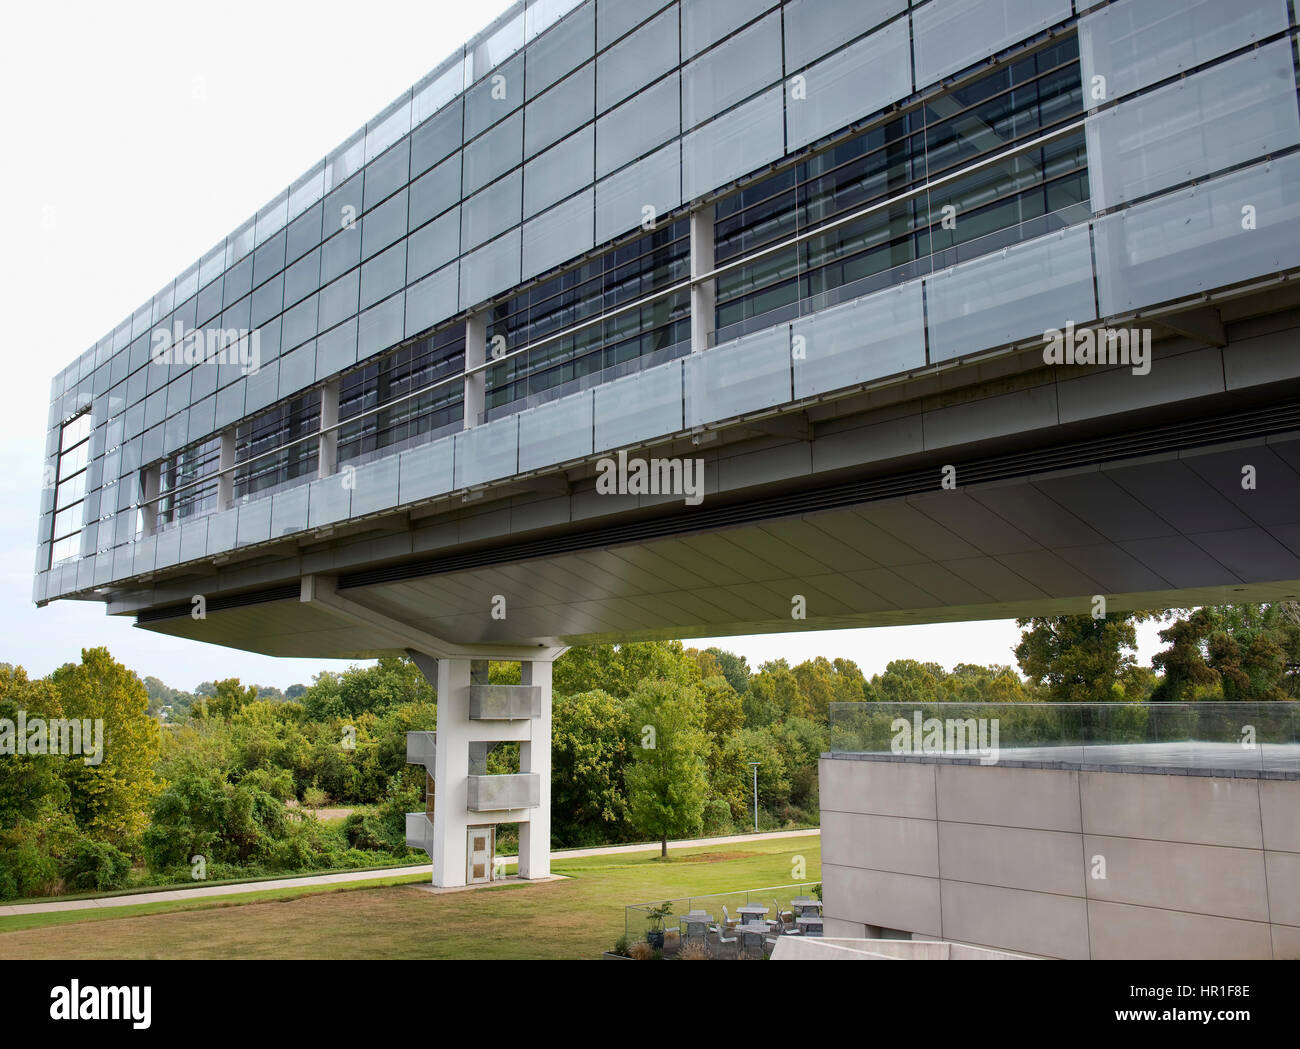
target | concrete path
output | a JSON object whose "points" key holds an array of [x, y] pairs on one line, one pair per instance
{"points": [[346, 877]]}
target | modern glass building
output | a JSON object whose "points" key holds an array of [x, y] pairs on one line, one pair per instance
{"points": [[509, 267], [800, 238]]}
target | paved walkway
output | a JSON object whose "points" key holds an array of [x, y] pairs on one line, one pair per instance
{"points": [[346, 877]]}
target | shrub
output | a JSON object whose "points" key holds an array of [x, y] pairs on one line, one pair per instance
{"points": [[95, 866], [621, 946], [641, 951], [717, 817], [694, 951]]}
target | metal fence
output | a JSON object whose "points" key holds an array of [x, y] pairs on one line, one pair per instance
{"points": [[637, 921]]}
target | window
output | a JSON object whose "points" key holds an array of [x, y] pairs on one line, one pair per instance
{"points": [[994, 205], [269, 451], [70, 491], [627, 342], [391, 381], [188, 482]]}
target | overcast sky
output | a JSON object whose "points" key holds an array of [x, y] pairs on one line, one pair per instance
{"points": [[137, 135]]}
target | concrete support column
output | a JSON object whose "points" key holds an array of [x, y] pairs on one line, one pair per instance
{"points": [[535, 756], [226, 483], [703, 294], [328, 459], [475, 354], [451, 767]]}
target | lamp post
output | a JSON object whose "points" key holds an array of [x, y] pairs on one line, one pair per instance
{"points": [[754, 765]]}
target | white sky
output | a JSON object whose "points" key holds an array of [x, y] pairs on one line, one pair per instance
{"points": [[137, 135]]}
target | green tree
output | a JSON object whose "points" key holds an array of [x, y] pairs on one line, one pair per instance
{"points": [[592, 740], [110, 800], [666, 782], [1078, 658]]}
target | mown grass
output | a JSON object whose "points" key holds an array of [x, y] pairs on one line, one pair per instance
{"points": [[573, 918]]}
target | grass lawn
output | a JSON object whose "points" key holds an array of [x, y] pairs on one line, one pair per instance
{"points": [[575, 918]]}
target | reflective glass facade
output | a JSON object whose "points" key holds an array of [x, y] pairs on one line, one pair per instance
{"points": [[495, 274]]}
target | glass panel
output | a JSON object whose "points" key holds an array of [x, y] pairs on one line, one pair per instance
{"points": [[307, 190], [345, 161], [388, 127], [194, 539], [302, 278], [381, 326], [743, 376], [499, 45], [559, 172], [434, 192], [616, 17], [340, 253], [254, 522], [1016, 294], [239, 281], [1137, 43], [338, 301], [336, 349], [486, 214], [542, 14], [386, 175], [638, 59], [557, 52], [814, 28], [425, 471], [487, 453], [494, 98], [948, 35], [375, 486], [437, 139], [1224, 115], [745, 139], [436, 90], [432, 299], [289, 511], [639, 407], [304, 232], [861, 79], [298, 369], [222, 530], [561, 234], [494, 154], [622, 199], [705, 22], [383, 275], [733, 70], [240, 243], [271, 219], [567, 106], [1193, 240], [433, 245], [329, 501], [268, 260], [489, 270], [645, 121], [556, 432], [384, 225], [268, 300], [876, 335]]}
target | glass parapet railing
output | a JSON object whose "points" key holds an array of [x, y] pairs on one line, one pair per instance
{"points": [[1194, 735]]}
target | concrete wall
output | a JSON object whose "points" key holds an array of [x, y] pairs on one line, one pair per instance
{"points": [[1194, 866]]}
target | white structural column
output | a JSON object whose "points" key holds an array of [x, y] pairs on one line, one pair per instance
{"points": [[535, 756], [475, 354], [327, 460], [456, 733], [226, 464], [703, 294]]}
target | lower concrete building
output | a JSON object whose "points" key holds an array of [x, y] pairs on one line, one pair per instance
{"points": [[1184, 851]]}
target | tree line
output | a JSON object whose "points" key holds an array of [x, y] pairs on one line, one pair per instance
{"points": [[650, 741]]}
